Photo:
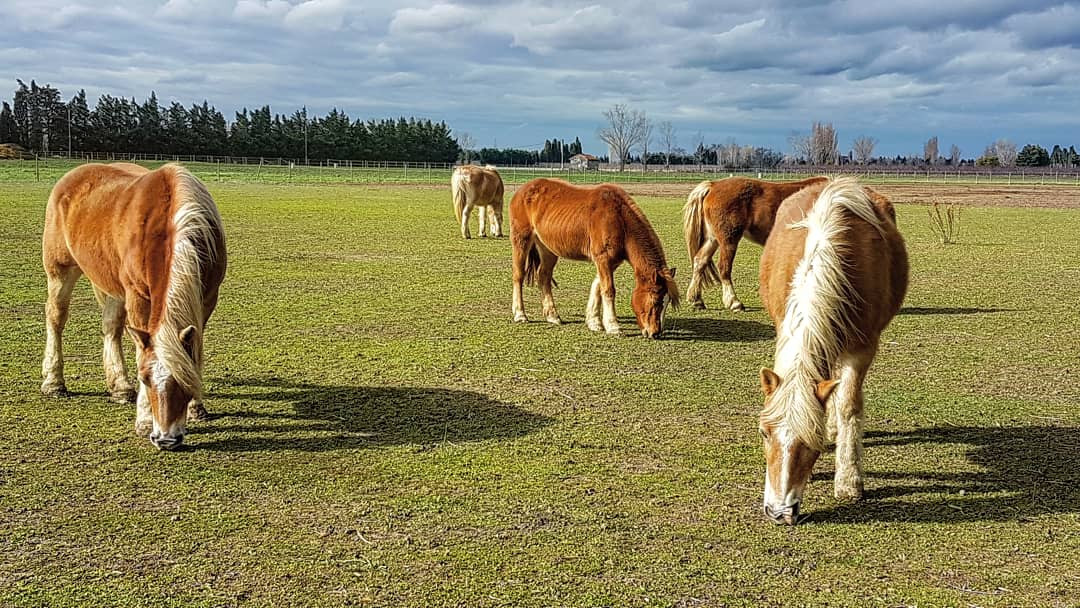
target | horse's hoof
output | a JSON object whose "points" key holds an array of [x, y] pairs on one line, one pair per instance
{"points": [[554, 320], [123, 395], [594, 326], [849, 494], [521, 318], [614, 332], [738, 307], [54, 390], [197, 413], [699, 305]]}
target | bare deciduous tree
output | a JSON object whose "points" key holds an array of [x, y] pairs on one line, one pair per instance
{"points": [[1005, 151], [800, 145], [466, 142], [930, 150], [624, 131], [863, 148], [667, 139], [823, 145], [954, 155], [646, 139]]}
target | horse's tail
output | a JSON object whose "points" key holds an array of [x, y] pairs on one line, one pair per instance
{"points": [[532, 265], [457, 187], [694, 230]]}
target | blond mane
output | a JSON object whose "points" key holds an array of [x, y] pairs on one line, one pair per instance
{"points": [[817, 320], [198, 228]]}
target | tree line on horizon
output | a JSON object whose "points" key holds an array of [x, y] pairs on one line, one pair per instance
{"points": [[38, 120]]}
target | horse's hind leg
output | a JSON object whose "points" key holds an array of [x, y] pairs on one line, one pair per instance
{"points": [[847, 402], [61, 280], [465, 213], [592, 309], [482, 212], [113, 317], [520, 244], [496, 219], [702, 259], [728, 243], [544, 276]]}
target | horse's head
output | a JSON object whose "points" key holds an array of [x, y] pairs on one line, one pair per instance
{"points": [[161, 392], [655, 289], [789, 458]]}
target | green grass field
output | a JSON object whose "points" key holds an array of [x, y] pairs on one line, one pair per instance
{"points": [[383, 435]]}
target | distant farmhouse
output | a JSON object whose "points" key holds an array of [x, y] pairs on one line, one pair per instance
{"points": [[584, 161]]}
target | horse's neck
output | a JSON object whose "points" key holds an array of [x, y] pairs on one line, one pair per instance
{"points": [[643, 249]]}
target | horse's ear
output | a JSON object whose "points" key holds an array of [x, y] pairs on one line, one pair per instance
{"points": [[824, 389], [769, 381], [187, 338], [140, 337]]}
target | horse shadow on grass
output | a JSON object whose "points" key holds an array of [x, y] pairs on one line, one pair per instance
{"points": [[949, 310], [326, 418], [711, 329], [1023, 472]]}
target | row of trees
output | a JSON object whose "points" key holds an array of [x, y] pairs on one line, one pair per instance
{"points": [[39, 121]]}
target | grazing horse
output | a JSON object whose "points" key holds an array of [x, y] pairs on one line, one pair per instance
{"points": [[481, 187], [717, 215], [550, 219], [833, 275], [152, 245]]}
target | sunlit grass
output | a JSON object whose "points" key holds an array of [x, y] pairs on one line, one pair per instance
{"points": [[382, 433]]}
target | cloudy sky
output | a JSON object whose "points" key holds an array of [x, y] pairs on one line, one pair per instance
{"points": [[515, 73]]}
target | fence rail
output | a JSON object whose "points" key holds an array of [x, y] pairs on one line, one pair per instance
{"points": [[281, 170]]}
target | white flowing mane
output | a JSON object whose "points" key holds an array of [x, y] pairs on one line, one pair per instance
{"points": [[817, 318], [197, 226]]}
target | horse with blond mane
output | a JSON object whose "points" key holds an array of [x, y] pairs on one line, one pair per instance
{"points": [[550, 219], [480, 187], [720, 213], [833, 275], [152, 245]]}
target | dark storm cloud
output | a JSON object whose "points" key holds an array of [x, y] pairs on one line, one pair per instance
{"points": [[520, 72]]}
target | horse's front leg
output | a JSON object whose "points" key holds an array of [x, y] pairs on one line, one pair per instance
{"points": [[606, 273], [113, 317], [848, 415], [482, 212]]}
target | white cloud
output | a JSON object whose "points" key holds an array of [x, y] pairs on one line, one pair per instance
{"points": [[261, 9], [318, 15]]}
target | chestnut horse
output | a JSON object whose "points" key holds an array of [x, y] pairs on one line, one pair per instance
{"points": [[480, 187], [833, 275], [717, 215], [550, 219], [152, 245]]}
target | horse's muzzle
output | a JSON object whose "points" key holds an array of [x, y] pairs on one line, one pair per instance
{"points": [[786, 516], [166, 443]]}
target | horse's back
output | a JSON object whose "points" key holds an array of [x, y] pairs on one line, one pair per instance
{"points": [[874, 259], [110, 220], [484, 184], [567, 218]]}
